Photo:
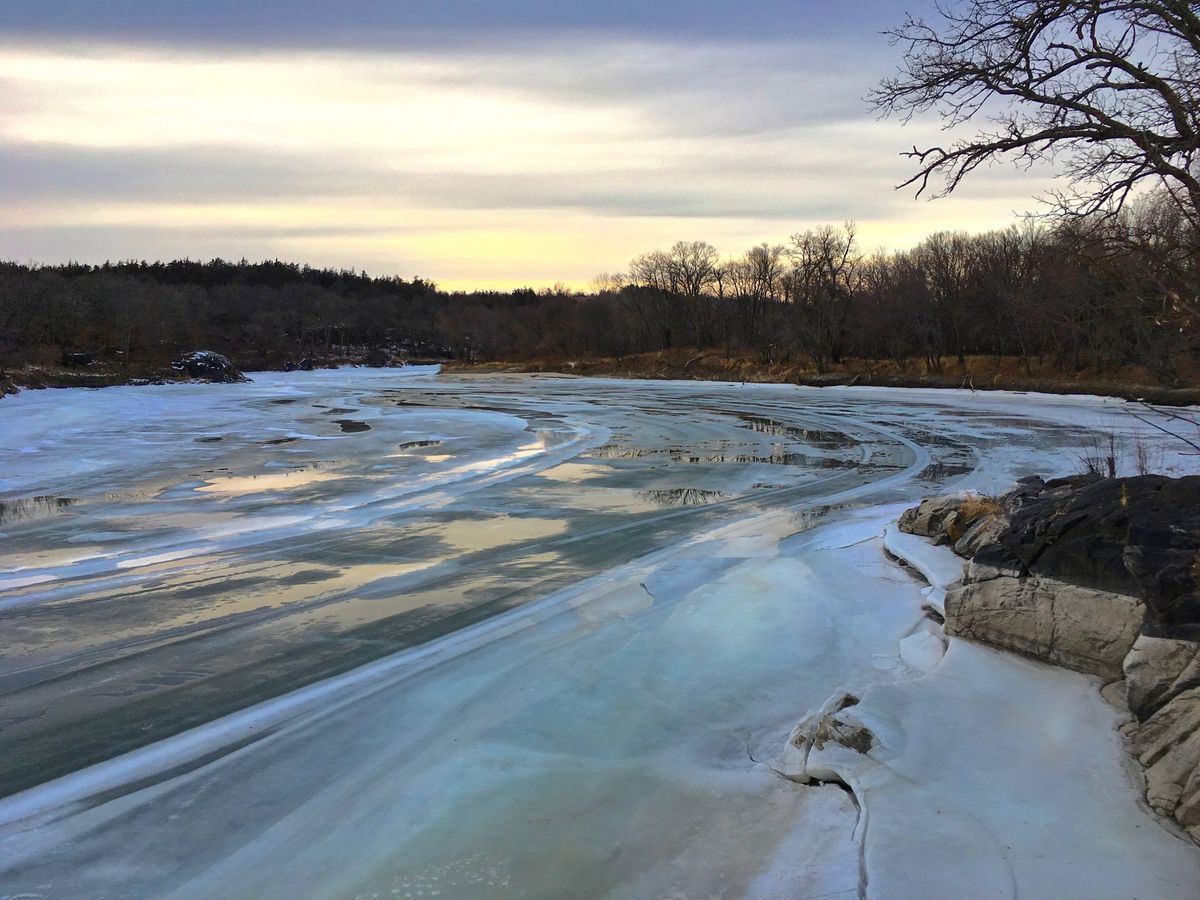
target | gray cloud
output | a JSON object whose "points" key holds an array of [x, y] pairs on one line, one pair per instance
{"points": [[60, 172], [700, 188], [410, 23], [746, 120]]}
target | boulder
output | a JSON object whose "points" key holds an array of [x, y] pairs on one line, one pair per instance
{"points": [[1073, 626], [823, 741], [985, 530], [205, 365], [966, 519], [1168, 745], [931, 519]]}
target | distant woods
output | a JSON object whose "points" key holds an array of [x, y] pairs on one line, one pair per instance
{"points": [[138, 315], [1079, 295], [1107, 89]]}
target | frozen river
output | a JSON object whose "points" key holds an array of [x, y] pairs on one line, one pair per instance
{"points": [[374, 634]]}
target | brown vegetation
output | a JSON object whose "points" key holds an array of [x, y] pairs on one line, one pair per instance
{"points": [[1071, 308], [974, 373]]}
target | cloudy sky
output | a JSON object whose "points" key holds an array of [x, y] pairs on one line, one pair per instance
{"points": [[473, 142]]}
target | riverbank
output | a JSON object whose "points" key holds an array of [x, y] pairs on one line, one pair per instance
{"points": [[100, 374], [1096, 575], [976, 373]]}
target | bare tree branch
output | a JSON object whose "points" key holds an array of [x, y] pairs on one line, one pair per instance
{"points": [[1109, 88]]}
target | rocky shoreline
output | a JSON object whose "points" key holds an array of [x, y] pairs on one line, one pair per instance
{"points": [[1099, 575]]}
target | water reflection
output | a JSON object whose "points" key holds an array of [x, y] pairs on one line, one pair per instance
{"points": [[24, 509], [573, 473], [475, 535], [684, 497], [815, 437], [241, 485], [778, 455]]}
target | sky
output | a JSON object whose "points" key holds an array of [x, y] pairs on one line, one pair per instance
{"points": [[476, 143]]}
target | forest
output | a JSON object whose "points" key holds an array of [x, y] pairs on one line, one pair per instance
{"points": [[1085, 294], [1106, 280]]}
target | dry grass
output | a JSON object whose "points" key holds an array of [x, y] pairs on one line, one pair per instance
{"points": [[977, 506]]}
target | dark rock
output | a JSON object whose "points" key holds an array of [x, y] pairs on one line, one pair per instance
{"points": [[1135, 536], [290, 366], [204, 365], [307, 365], [964, 521]]}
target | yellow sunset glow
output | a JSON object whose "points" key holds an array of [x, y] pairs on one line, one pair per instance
{"points": [[462, 169]]}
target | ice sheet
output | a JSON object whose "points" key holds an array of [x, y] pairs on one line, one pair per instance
{"points": [[610, 730]]}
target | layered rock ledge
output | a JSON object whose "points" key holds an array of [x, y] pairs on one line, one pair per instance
{"points": [[1101, 575]]}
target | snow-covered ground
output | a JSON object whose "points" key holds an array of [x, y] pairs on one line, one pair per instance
{"points": [[533, 636]]}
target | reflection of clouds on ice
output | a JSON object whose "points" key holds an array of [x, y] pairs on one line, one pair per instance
{"points": [[240, 473], [20, 581], [605, 729]]}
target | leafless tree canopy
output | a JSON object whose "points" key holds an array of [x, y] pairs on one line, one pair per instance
{"points": [[1069, 296], [1109, 88]]}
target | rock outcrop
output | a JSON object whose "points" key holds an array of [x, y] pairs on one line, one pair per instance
{"points": [[1134, 536], [1101, 575], [1078, 627], [205, 365], [965, 523]]}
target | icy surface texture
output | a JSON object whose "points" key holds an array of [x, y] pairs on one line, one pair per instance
{"points": [[539, 637]]}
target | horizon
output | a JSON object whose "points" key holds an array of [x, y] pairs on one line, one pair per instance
{"points": [[476, 149]]}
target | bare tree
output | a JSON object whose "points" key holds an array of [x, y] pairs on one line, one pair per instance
{"points": [[1109, 88], [822, 284], [693, 267], [609, 282]]}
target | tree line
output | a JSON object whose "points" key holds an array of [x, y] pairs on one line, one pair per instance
{"points": [[1105, 89], [1072, 295]]}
